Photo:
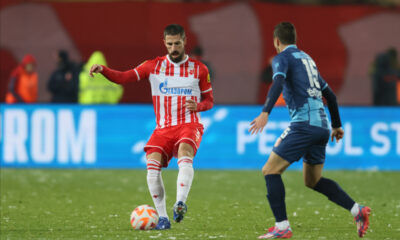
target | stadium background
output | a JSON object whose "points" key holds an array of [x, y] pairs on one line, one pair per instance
{"points": [[237, 39], [235, 36]]}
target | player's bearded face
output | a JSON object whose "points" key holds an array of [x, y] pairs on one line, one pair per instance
{"points": [[175, 46]]}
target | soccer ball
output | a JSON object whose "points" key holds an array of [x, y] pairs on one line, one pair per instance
{"points": [[144, 217]]}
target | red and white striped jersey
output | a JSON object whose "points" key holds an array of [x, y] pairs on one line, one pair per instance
{"points": [[171, 85]]}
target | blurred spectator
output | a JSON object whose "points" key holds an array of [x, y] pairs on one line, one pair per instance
{"points": [[265, 84], [385, 73], [398, 91], [23, 85], [64, 81], [197, 53], [97, 89]]}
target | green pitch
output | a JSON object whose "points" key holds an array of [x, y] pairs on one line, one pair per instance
{"points": [[96, 204]]}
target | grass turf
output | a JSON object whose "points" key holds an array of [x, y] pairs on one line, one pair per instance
{"points": [[96, 204]]}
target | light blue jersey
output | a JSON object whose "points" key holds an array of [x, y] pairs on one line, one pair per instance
{"points": [[302, 87]]}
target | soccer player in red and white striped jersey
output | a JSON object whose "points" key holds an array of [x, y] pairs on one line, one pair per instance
{"points": [[181, 88]]}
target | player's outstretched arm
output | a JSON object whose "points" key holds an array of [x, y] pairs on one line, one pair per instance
{"points": [[258, 124], [113, 75]]}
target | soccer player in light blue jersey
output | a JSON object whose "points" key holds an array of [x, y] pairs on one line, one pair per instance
{"points": [[296, 74]]}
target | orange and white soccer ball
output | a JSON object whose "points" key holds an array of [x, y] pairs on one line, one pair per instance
{"points": [[144, 217]]}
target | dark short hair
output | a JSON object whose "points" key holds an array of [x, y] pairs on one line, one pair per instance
{"points": [[174, 29], [392, 52], [285, 32], [63, 55]]}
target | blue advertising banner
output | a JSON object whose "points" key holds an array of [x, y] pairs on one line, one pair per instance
{"points": [[74, 136]]}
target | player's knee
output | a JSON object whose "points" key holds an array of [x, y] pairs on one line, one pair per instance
{"points": [[266, 170], [185, 153], [185, 150], [155, 156]]}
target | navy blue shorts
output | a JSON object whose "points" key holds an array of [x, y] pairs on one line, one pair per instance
{"points": [[303, 140]]}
